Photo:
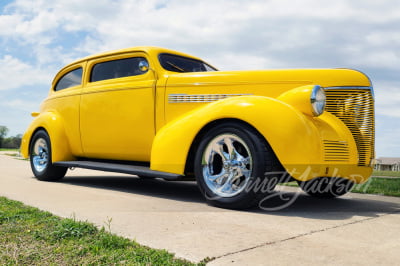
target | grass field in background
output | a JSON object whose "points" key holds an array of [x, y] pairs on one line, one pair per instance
{"points": [[386, 173], [382, 183], [380, 186], [29, 236]]}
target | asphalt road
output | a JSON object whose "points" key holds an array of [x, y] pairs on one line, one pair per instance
{"points": [[352, 230]]}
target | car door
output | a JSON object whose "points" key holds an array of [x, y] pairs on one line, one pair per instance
{"points": [[117, 108]]}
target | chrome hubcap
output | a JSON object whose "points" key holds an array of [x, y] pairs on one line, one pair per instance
{"points": [[40, 155], [227, 165]]}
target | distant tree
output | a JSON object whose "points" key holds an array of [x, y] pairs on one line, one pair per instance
{"points": [[3, 133], [12, 142]]}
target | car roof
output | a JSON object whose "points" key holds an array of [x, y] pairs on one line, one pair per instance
{"points": [[151, 50]]}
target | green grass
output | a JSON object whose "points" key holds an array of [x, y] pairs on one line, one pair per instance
{"points": [[29, 236], [290, 184], [386, 173], [375, 185], [3, 149], [380, 185]]}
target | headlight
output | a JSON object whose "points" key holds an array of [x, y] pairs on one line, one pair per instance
{"points": [[309, 99], [318, 100]]}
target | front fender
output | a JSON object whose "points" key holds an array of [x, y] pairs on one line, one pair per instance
{"points": [[53, 124], [290, 133]]}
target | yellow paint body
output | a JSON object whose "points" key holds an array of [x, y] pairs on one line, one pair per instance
{"points": [[155, 117]]}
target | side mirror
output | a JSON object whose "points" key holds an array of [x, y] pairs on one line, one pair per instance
{"points": [[143, 66]]}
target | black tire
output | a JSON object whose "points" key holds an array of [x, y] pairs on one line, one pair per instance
{"points": [[40, 158], [245, 172], [326, 187]]}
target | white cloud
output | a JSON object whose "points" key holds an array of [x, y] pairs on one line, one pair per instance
{"points": [[22, 105], [387, 135], [14, 74], [8, 23], [351, 32], [387, 97]]}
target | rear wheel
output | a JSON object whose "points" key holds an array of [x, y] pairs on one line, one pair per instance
{"points": [[231, 164], [40, 158], [326, 187]]}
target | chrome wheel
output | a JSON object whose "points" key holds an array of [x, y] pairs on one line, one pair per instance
{"points": [[40, 155], [40, 158], [227, 165]]}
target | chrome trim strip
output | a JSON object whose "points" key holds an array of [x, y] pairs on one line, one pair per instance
{"points": [[200, 98], [349, 88], [238, 83]]}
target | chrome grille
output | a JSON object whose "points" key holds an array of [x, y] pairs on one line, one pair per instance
{"points": [[354, 106], [336, 151]]}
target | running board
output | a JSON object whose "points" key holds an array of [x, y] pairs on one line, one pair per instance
{"points": [[119, 168]]}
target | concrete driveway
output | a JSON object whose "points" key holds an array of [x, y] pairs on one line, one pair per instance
{"points": [[355, 229]]}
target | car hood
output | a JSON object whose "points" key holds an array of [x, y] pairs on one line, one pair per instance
{"points": [[296, 77]]}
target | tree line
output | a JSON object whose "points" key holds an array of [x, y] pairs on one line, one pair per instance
{"points": [[9, 142]]}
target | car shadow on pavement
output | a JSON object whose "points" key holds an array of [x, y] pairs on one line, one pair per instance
{"points": [[175, 190], [302, 205], [286, 203]]}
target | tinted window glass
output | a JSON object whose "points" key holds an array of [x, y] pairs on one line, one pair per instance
{"points": [[72, 78], [119, 68], [176, 63]]}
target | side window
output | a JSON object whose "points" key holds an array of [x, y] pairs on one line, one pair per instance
{"points": [[119, 68], [72, 78]]}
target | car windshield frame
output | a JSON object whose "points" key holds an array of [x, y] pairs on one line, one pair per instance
{"points": [[182, 64]]}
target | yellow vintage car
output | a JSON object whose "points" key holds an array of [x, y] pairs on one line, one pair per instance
{"points": [[159, 113]]}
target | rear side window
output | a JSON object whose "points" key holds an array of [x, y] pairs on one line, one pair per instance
{"points": [[119, 68], [71, 79]]}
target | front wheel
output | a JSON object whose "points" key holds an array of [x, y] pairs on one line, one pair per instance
{"points": [[40, 158], [326, 187], [231, 166]]}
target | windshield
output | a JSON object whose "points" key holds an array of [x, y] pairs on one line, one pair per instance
{"points": [[182, 64]]}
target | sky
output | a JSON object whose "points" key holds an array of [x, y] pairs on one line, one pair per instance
{"points": [[38, 37]]}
